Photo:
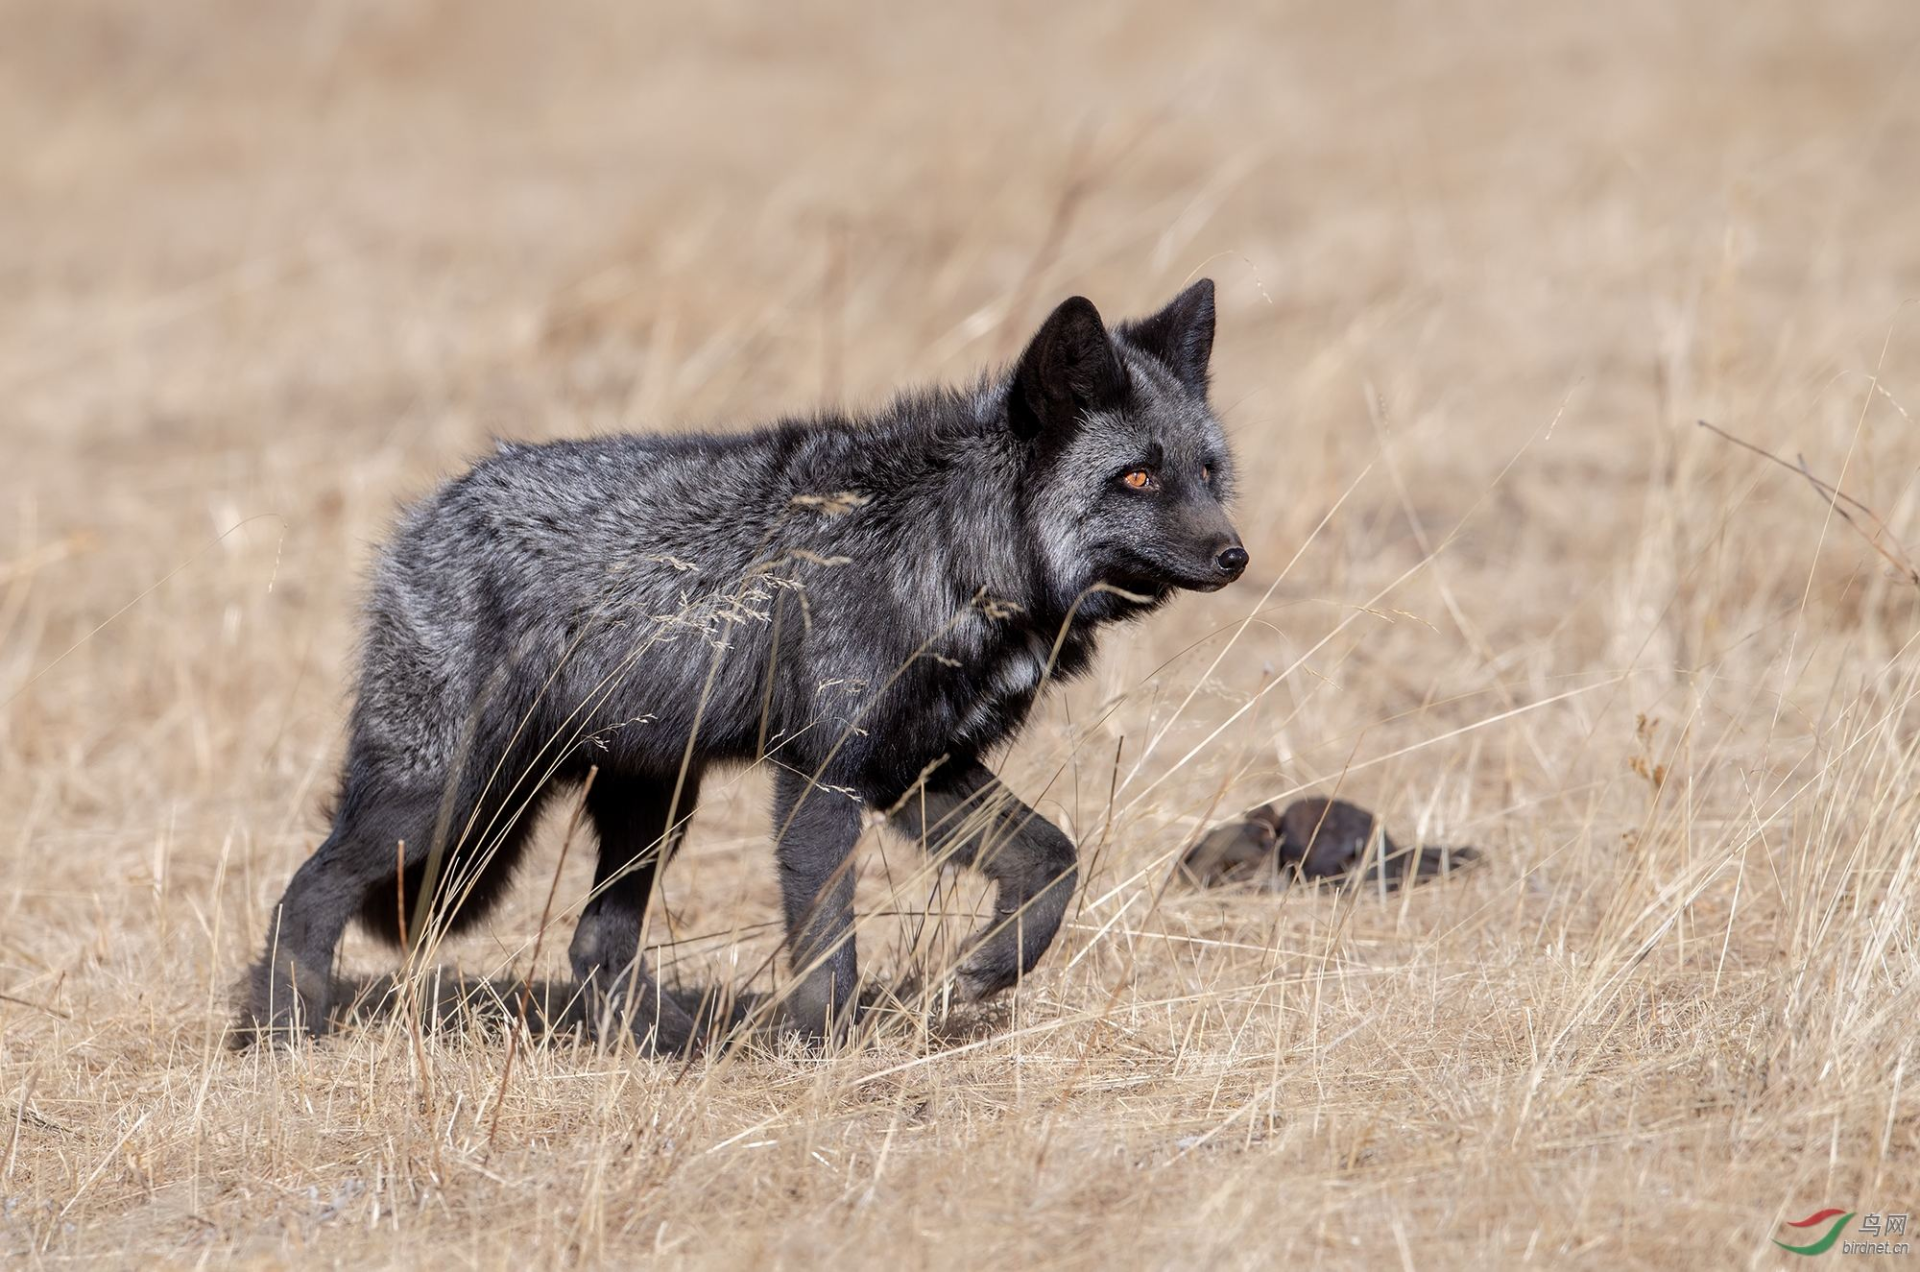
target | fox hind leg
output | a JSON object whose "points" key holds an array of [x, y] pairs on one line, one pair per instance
{"points": [[289, 992], [380, 850], [639, 822]]}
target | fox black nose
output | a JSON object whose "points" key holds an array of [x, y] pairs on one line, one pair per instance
{"points": [[1231, 561]]}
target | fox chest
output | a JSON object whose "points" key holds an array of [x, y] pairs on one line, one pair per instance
{"points": [[990, 699]]}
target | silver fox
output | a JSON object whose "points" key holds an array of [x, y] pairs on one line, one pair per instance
{"points": [[870, 606]]}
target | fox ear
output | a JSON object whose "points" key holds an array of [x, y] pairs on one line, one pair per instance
{"points": [[1070, 366], [1181, 335]]}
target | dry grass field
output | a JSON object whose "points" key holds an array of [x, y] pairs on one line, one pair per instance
{"points": [[267, 270]]}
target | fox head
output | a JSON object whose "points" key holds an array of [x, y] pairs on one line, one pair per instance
{"points": [[1130, 472]]}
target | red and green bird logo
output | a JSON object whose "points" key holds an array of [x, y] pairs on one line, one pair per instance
{"points": [[1818, 1217]]}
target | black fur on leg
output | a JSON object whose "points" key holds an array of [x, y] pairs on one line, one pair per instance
{"points": [[971, 817]]}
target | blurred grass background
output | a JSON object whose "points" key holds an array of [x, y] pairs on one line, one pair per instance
{"points": [[267, 270]]}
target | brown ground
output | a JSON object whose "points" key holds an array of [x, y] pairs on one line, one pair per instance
{"points": [[265, 271]]}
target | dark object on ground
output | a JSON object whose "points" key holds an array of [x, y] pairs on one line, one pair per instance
{"points": [[1314, 839]]}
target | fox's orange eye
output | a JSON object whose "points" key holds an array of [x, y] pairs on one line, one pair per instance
{"points": [[1138, 479]]}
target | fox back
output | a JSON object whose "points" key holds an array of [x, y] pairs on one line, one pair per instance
{"points": [[878, 591]]}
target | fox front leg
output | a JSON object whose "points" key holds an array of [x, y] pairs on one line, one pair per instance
{"points": [[816, 828], [972, 818]]}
